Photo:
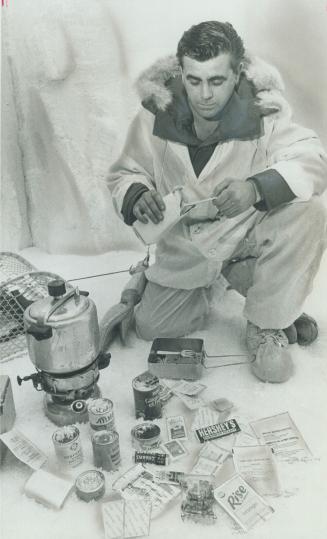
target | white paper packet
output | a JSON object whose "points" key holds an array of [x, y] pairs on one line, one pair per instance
{"points": [[24, 449], [281, 434], [138, 480], [212, 451], [205, 466], [192, 403], [175, 449], [257, 465], [204, 417], [242, 503], [137, 517], [176, 428], [113, 519], [189, 388], [126, 518]]}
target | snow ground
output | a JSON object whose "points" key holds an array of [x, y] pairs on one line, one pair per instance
{"points": [[299, 514]]}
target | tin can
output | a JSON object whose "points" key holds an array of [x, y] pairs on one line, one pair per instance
{"points": [[146, 436], [90, 485], [67, 445], [101, 414], [146, 389], [106, 453]]}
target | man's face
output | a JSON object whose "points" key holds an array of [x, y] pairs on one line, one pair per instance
{"points": [[209, 84]]}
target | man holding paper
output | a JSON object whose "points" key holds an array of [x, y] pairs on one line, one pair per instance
{"points": [[215, 123]]}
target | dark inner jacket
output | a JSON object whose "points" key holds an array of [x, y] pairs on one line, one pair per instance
{"points": [[240, 119]]}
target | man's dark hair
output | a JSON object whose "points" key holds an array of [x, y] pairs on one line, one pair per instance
{"points": [[209, 39]]}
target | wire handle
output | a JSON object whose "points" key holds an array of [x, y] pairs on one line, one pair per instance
{"points": [[192, 354]]}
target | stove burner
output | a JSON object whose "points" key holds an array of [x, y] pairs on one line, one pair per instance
{"points": [[62, 413], [63, 390]]}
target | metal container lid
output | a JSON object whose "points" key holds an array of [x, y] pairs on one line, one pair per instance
{"points": [[145, 381], [100, 406], [66, 307], [145, 431], [90, 485], [104, 437]]}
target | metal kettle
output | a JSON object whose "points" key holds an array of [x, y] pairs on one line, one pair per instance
{"points": [[62, 330]]}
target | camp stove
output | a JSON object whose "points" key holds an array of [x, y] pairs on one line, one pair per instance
{"points": [[63, 337]]}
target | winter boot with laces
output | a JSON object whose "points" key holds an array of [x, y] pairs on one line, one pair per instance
{"points": [[271, 360]]}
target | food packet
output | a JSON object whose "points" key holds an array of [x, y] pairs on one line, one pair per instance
{"points": [[242, 503], [198, 499], [257, 465]]}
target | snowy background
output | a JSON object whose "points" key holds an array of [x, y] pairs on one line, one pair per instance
{"points": [[67, 98]]}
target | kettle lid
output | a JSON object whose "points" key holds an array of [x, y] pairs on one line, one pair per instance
{"points": [[59, 305]]}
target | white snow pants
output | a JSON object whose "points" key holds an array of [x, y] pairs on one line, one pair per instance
{"points": [[286, 244]]}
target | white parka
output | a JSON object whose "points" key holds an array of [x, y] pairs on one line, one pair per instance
{"points": [[191, 254]]}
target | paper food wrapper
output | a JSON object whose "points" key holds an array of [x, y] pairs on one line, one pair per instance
{"points": [[150, 232], [126, 518], [242, 503]]}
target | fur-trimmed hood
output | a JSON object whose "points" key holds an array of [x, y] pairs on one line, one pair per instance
{"points": [[266, 81]]}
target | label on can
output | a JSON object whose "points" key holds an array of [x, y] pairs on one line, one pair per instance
{"points": [[147, 399], [106, 450], [67, 445], [101, 414]]}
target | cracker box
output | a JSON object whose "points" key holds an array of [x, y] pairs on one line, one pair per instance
{"points": [[7, 410]]}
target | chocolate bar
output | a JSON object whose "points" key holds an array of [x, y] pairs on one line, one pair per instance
{"points": [[218, 430], [150, 458]]}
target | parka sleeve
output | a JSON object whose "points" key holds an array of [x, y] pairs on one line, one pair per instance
{"points": [[296, 154], [135, 164]]}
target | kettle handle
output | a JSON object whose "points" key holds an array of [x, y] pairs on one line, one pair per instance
{"points": [[103, 359], [40, 333], [59, 303], [65, 298]]}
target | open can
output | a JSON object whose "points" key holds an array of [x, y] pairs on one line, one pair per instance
{"points": [[67, 444], [146, 389], [106, 453], [101, 414]]}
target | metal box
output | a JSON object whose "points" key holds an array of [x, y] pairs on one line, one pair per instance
{"points": [[176, 358]]}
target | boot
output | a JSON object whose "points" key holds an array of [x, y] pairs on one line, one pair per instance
{"points": [[307, 329], [239, 274]]}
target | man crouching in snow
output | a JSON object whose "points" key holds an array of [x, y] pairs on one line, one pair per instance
{"points": [[215, 122]]}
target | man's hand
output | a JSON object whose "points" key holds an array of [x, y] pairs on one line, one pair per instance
{"points": [[234, 197], [151, 205]]}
